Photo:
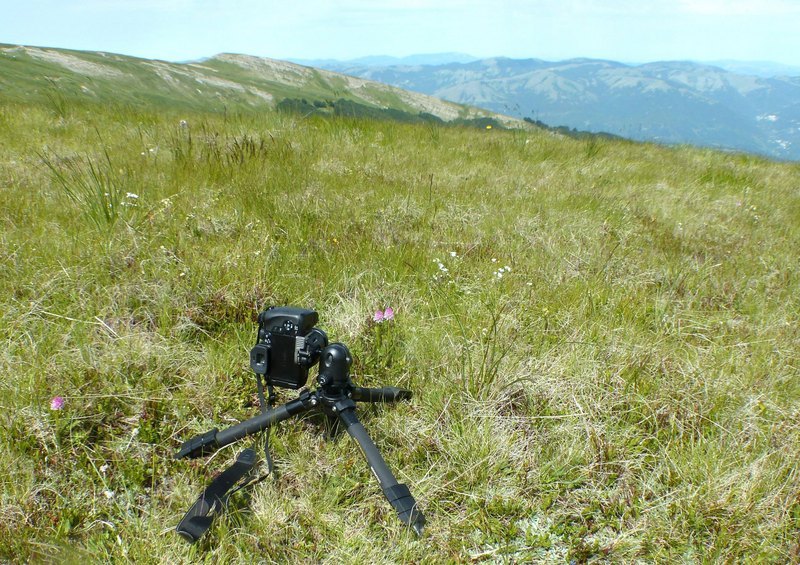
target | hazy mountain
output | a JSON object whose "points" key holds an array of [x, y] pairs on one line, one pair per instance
{"points": [[764, 69], [385, 61], [671, 102], [221, 83]]}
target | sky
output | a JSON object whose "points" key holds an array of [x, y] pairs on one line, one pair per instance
{"points": [[632, 31]]}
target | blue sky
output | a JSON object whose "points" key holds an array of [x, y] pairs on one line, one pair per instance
{"points": [[623, 30]]}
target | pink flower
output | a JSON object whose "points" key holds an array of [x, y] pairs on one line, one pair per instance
{"points": [[57, 403], [383, 316]]}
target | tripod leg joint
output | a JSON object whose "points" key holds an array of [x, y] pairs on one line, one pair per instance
{"points": [[199, 445]]}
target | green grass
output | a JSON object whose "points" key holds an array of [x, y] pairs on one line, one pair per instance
{"points": [[627, 390]]}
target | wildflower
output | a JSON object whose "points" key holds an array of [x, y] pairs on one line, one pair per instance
{"points": [[502, 271], [384, 315], [489, 127], [453, 254], [443, 271], [109, 494], [57, 403], [131, 195], [184, 124]]}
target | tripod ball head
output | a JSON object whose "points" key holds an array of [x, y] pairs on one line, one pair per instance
{"points": [[334, 367]]}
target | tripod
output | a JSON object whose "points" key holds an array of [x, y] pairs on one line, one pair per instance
{"points": [[335, 396]]}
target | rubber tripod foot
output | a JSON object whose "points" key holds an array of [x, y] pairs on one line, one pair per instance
{"points": [[403, 502]]}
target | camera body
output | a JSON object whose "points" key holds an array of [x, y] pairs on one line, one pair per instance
{"points": [[288, 345]]}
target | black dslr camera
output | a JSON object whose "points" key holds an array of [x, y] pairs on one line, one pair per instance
{"points": [[288, 346]]}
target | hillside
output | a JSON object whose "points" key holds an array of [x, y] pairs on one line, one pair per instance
{"points": [[226, 82], [668, 102], [601, 335]]}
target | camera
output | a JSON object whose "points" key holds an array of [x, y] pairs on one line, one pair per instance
{"points": [[288, 345]]}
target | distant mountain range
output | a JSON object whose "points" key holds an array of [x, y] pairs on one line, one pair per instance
{"points": [[765, 69], [669, 102], [385, 60]]}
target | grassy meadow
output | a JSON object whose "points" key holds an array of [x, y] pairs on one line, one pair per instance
{"points": [[601, 336]]}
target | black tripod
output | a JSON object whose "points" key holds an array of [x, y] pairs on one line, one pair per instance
{"points": [[336, 395]]}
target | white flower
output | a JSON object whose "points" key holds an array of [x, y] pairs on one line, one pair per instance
{"points": [[453, 254], [109, 494], [104, 468], [131, 195]]}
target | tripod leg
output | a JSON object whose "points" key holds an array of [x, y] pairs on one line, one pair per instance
{"points": [[396, 493], [214, 439], [384, 394]]}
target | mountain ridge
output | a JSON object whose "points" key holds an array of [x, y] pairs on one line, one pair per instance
{"points": [[664, 101], [224, 81]]}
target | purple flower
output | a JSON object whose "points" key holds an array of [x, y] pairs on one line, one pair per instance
{"points": [[383, 316], [57, 403]]}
